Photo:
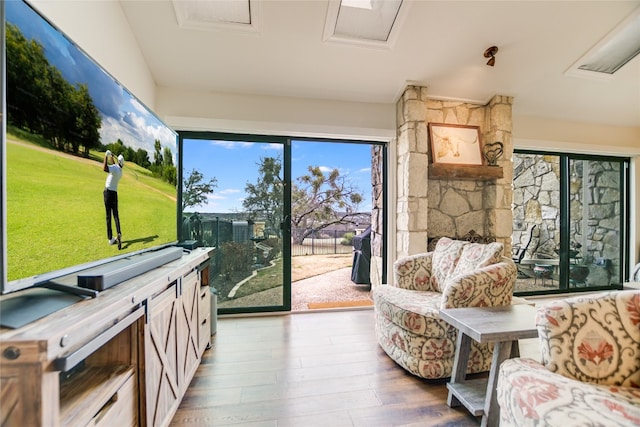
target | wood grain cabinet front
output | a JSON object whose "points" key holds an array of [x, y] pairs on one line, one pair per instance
{"points": [[188, 328], [172, 347], [161, 357], [104, 396]]}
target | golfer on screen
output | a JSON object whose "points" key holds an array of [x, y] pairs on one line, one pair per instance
{"points": [[114, 168]]}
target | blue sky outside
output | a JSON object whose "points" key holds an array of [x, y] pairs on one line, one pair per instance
{"points": [[123, 116], [234, 164]]}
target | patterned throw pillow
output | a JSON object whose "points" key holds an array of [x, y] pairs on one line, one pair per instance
{"points": [[478, 255], [593, 338], [445, 257]]}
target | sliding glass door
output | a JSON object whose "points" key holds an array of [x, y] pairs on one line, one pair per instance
{"points": [[569, 225], [595, 223], [235, 197]]}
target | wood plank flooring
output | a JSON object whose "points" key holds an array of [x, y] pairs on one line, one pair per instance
{"points": [[320, 369]]}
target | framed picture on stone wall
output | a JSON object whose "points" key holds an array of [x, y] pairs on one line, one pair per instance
{"points": [[455, 144]]}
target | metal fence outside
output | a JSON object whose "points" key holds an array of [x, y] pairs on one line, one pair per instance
{"points": [[323, 242]]}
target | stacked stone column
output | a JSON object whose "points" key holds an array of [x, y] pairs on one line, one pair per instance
{"points": [[412, 149], [427, 207]]}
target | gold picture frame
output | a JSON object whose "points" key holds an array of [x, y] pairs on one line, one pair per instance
{"points": [[455, 144]]}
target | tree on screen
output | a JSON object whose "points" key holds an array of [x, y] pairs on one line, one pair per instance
{"points": [[41, 102]]}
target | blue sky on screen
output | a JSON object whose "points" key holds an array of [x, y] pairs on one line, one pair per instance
{"points": [[234, 164], [123, 116]]}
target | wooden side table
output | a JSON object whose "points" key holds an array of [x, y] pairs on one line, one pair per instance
{"points": [[503, 326]]}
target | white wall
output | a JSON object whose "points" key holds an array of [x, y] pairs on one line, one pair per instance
{"points": [[276, 115], [589, 138]]}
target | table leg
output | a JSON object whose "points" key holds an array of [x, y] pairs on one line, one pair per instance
{"points": [[460, 361], [515, 349], [501, 352]]}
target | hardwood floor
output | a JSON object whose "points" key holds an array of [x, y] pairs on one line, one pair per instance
{"points": [[309, 369]]}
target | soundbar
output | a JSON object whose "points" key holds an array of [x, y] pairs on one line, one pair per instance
{"points": [[106, 276]]}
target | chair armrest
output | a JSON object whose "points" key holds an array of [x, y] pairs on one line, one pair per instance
{"points": [[485, 287], [413, 272], [511, 390]]}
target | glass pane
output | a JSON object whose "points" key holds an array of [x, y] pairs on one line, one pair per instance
{"points": [[594, 223], [239, 215], [536, 222], [590, 256], [330, 223]]}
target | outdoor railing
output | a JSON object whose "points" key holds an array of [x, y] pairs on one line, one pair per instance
{"points": [[322, 242]]}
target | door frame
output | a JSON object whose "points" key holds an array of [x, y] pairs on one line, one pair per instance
{"points": [[285, 226]]}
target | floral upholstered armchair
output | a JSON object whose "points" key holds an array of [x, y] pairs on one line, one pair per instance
{"points": [[590, 371], [456, 273]]}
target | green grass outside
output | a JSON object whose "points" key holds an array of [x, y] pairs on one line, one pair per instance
{"points": [[56, 215], [266, 278]]}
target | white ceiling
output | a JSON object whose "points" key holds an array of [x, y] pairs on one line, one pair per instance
{"points": [[439, 44]]}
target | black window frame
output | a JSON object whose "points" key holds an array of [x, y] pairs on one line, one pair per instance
{"points": [[625, 217]]}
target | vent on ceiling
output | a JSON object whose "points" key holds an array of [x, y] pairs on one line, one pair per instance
{"points": [[618, 48]]}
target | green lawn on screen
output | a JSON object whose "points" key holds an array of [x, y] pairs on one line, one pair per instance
{"points": [[56, 215]]}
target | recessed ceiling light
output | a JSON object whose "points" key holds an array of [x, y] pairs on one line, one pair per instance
{"points": [[198, 14], [619, 47], [367, 19]]}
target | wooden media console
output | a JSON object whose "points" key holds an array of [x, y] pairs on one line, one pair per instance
{"points": [[124, 357]]}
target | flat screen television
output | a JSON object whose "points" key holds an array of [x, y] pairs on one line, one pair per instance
{"points": [[61, 113]]}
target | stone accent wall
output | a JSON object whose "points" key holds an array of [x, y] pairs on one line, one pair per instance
{"points": [[427, 207], [412, 152], [536, 200], [458, 206], [377, 213]]}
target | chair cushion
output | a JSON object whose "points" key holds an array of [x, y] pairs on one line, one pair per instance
{"points": [[530, 395], [415, 311], [478, 255], [413, 272], [445, 258], [593, 338]]}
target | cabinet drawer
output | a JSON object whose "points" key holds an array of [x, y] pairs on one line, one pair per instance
{"points": [[87, 396], [204, 308], [204, 334], [121, 410]]}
